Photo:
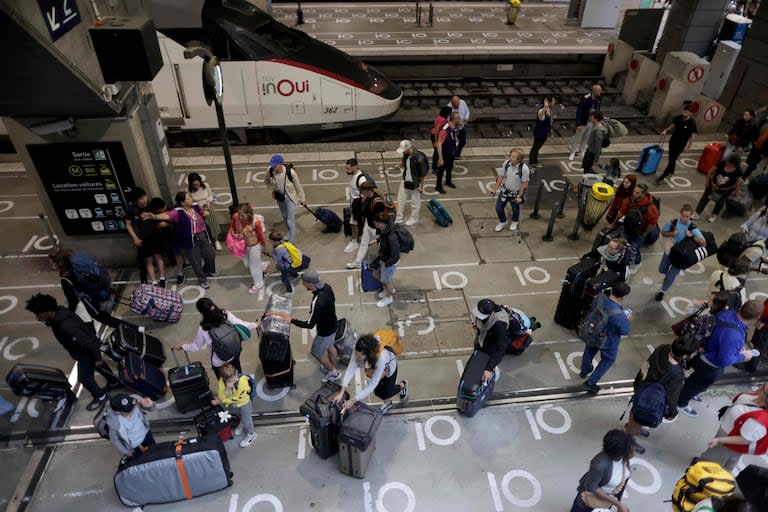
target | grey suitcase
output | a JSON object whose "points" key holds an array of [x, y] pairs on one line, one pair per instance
{"points": [[173, 471], [357, 439]]}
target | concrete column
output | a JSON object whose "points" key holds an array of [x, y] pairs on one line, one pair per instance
{"points": [[691, 26]]}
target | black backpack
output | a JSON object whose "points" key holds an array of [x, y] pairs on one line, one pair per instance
{"points": [[404, 238], [734, 295], [226, 341], [593, 327], [606, 140], [368, 179], [649, 402]]}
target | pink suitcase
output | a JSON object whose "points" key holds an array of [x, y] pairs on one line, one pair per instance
{"points": [[712, 154], [157, 303]]}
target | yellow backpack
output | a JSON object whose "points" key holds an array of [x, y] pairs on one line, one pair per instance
{"points": [[389, 338], [294, 253], [702, 480]]}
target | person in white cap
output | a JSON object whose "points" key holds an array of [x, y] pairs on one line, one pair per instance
{"points": [[415, 165], [282, 181]]}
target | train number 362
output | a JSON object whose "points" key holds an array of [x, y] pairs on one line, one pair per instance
{"points": [[330, 110]]}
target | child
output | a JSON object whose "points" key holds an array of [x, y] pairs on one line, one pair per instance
{"points": [[234, 392], [288, 259], [613, 169], [128, 427]]}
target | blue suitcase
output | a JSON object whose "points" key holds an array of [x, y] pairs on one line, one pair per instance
{"points": [[442, 217], [142, 377], [330, 220], [368, 282], [649, 159]]}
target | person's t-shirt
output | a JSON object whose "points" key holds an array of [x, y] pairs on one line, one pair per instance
{"points": [[134, 427], [142, 227], [514, 176], [680, 230], [722, 180], [684, 128], [355, 181]]}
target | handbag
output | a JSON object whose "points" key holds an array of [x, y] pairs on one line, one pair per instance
{"points": [[592, 500], [243, 332], [678, 327], [409, 185], [235, 245]]}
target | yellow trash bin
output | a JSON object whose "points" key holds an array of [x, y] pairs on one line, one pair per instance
{"points": [[598, 201], [513, 9]]}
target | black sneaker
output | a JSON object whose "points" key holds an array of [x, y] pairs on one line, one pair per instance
{"points": [[179, 279], [440, 190], [161, 283], [584, 375], [639, 449], [450, 185], [592, 389], [659, 296], [186, 266], [404, 390]]}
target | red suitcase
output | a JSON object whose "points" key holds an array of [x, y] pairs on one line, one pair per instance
{"points": [[712, 154]]}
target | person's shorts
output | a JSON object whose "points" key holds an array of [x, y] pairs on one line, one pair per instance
{"points": [[356, 209], [387, 273], [321, 344]]}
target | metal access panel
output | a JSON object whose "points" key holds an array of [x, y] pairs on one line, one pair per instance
{"points": [[640, 27]]}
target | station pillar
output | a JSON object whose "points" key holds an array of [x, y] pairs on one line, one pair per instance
{"points": [[691, 26]]}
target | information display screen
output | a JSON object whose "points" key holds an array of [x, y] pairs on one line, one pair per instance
{"points": [[87, 183]]}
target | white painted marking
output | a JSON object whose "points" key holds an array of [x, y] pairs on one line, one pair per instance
{"points": [[565, 427], [350, 285], [655, 484], [5, 206], [302, 450], [463, 281], [495, 495], [367, 499], [460, 367], [12, 302], [199, 290], [455, 433], [396, 486], [263, 498], [9, 355], [563, 368], [420, 436], [261, 392], [650, 348], [19, 409], [79, 494], [358, 381], [532, 422], [519, 473], [436, 276]]}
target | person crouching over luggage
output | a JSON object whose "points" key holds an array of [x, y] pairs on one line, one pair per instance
{"points": [[387, 259], [234, 392], [377, 352], [491, 322], [288, 258], [128, 426]]}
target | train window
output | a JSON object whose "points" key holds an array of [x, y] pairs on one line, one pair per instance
{"points": [[252, 45]]}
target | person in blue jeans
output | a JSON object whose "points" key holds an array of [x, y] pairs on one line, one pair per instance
{"points": [[288, 259], [675, 231], [618, 326], [511, 183]]}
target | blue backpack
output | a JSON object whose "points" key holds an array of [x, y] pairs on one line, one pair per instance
{"points": [[91, 279], [650, 402]]}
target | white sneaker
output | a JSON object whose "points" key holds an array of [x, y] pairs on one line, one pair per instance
{"points": [[240, 428], [351, 246], [353, 264], [332, 376], [385, 301], [218, 246], [694, 216], [248, 441], [499, 226], [254, 290], [399, 220], [383, 293], [513, 226], [572, 155], [411, 222]]}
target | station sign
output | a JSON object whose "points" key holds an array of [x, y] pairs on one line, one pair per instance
{"points": [[60, 16], [87, 184]]}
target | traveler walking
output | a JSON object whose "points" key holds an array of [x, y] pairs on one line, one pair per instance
{"points": [[128, 426], [415, 166], [234, 392], [674, 232], [511, 184], [541, 130], [617, 325], [372, 203], [491, 323], [202, 194], [447, 142], [322, 315], [722, 181], [250, 227], [588, 104], [282, 181], [288, 259], [595, 142], [387, 259], [356, 178], [79, 340], [759, 148], [684, 133], [460, 107]]}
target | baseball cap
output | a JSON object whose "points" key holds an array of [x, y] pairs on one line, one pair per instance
{"points": [[122, 402], [312, 277], [483, 309], [276, 160], [405, 145]]}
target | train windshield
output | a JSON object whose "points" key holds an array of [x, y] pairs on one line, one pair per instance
{"points": [[267, 40]]}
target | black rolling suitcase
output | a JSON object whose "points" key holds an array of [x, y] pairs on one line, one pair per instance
{"points": [[473, 393], [324, 419], [602, 282], [357, 438], [173, 471], [143, 377], [275, 345], [131, 338], [41, 382], [567, 312], [189, 385]]}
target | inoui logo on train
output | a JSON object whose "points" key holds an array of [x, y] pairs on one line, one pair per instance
{"points": [[284, 87]]}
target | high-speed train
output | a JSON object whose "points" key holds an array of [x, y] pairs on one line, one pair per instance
{"points": [[275, 78]]}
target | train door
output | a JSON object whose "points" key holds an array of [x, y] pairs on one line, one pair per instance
{"points": [[337, 101]]}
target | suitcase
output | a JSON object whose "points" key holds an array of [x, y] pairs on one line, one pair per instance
{"points": [[473, 393], [276, 329], [210, 422], [142, 377], [157, 303], [346, 338], [41, 382], [687, 253], [324, 419], [600, 283], [739, 206], [357, 439], [173, 471], [134, 339], [758, 186], [330, 220], [567, 312], [347, 214], [279, 374], [441, 215], [189, 385], [367, 281], [650, 158], [710, 157], [519, 344]]}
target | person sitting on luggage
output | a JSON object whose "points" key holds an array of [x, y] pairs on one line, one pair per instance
{"points": [[128, 427], [616, 255], [667, 358], [723, 180], [234, 392], [623, 191], [288, 259], [674, 232], [387, 259], [322, 314], [80, 341], [491, 323], [214, 317], [375, 351]]}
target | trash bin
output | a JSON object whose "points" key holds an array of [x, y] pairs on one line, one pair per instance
{"points": [[598, 201], [513, 9]]}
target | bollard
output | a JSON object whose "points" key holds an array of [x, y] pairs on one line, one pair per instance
{"points": [[535, 212], [574, 235], [564, 198], [431, 13], [547, 237], [418, 14]]}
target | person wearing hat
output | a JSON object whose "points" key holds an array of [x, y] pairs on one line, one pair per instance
{"points": [[491, 322], [282, 181], [674, 232], [373, 203], [322, 316], [414, 165], [128, 427]]}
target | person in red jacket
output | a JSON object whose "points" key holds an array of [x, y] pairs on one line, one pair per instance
{"points": [[743, 429], [641, 218]]}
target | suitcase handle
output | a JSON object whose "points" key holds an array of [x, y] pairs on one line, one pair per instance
{"points": [[662, 136], [176, 360]]}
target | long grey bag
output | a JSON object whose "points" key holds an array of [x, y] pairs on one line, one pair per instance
{"points": [[174, 471]]}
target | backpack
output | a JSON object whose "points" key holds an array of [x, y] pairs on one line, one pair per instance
{"points": [[606, 141], [91, 278], [517, 324], [699, 329], [732, 248], [251, 384], [293, 252], [423, 161], [226, 341], [703, 479], [649, 402], [734, 295], [404, 238], [368, 178], [390, 340], [593, 327], [389, 205], [633, 219]]}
